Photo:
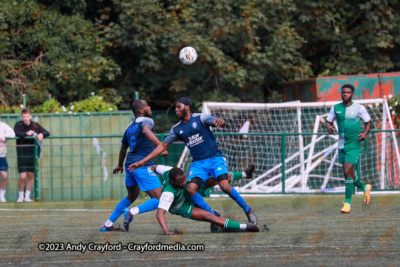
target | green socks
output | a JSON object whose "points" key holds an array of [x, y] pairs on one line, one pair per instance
{"points": [[359, 184], [233, 225], [349, 189], [235, 176]]}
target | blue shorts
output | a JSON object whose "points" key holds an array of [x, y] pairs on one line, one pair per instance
{"points": [[3, 165], [203, 169], [144, 177]]}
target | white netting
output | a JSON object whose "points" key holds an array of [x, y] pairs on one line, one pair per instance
{"points": [[311, 161]]}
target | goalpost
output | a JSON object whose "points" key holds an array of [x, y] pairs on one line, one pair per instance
{"points": [[311, 161]]}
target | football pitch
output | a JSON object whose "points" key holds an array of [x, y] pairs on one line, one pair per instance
{"points": [[296, 230]]}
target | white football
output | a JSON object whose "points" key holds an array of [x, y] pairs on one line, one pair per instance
{"points": [[188, 55]]}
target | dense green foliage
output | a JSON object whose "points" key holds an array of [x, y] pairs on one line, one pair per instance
{"points": [[69, 48]]}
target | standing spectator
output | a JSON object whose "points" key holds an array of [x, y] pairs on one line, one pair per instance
{"points": [[5, 131], [26, 152]]}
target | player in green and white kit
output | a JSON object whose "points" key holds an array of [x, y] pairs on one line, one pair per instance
{"points": [[175, 199], [348, 116]]}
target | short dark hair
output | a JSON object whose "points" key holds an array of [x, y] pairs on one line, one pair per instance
{"points": [[137, 105], [174, 172], [25, 111], [348, 86]]}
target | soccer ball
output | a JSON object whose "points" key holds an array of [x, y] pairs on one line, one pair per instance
{"points": [[188, 55]]}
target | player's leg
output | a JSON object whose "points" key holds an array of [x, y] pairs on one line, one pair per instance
{"points": [[352, 156], [4, 182], [202, 215], [29, 185], [4, 178], [193, 185], [349, 182], [148, 182], [198, 174], [220, 171], [232, 193], [233, 176], [133, 192], [148, 205], [21, 186], [348, 171]]}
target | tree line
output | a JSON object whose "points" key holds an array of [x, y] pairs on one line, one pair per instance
{"points": [[246, 48]]}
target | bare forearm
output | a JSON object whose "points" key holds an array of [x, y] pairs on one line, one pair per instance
{"points": [[122, 155], [367, 127], [157, 151], [162, 221]]}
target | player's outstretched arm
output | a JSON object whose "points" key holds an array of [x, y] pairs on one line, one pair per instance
{"points": [[157, 151], [163, 222], [148, 133], [122, 155]]}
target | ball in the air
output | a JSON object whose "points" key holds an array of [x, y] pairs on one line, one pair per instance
{"points": [[188, 55]]}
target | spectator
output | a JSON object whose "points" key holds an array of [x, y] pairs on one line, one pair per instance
{"points": [[26, 152], [5, 131]]}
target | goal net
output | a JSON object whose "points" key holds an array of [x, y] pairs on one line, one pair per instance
{"points": [[260, 133]]}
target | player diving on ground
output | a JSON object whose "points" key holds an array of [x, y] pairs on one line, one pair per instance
{"points": [[175, 199]]}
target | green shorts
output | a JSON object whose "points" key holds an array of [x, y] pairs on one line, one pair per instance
{"points": [[350, 156], [185, 210], [187, 207]]}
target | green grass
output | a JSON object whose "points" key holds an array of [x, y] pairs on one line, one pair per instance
{"points": [[303, 230]]}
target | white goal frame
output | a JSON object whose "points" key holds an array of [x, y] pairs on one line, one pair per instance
{"points": [[305, 165]]}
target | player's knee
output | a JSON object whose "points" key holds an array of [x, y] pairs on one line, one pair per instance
{"points": [[191, 189], [193, 185], [348, 173], [225, 187]]}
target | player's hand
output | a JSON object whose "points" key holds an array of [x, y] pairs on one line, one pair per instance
{"points": [[2, 139], [331, 129], [118, 169], [40, 137], [219, 123], [164, 154], [30, 132], [362, 136], [135, 166]]}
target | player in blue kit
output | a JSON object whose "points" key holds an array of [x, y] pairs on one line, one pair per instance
{"points": [[208, 159], [140, 138]]}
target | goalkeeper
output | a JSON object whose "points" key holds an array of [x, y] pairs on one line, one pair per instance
{"points": [[175, 199], [348, 116]]}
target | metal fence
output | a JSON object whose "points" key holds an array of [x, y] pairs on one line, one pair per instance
{"points": [[77, 168], [80, 167]]}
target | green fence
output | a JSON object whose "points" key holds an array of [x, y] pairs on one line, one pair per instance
{"points": [[77, 167], [80, 167]]}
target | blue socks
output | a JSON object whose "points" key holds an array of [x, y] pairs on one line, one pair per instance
{"points": [[149, 205], [238, 198], [199, 201], [124, 203]]}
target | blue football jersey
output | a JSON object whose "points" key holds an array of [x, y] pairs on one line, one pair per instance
{"points": [[197, 136], [139, 145]]}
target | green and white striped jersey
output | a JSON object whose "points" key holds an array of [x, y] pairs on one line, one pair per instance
{"points": [[348, 120]]}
